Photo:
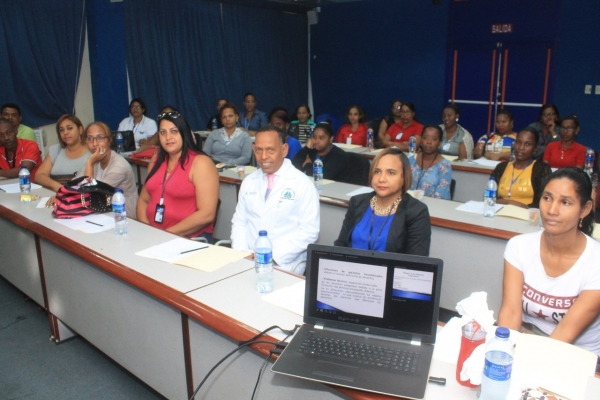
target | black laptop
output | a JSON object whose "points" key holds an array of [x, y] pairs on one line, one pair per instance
{"points": [[370, 321]]}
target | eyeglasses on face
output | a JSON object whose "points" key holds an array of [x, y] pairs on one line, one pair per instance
{"points": [[172, 114], [99, 138], [138, 107], [396, 107]]}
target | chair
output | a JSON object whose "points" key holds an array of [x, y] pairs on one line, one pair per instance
{"points": [[39, 137], [220, 242], [357, 172]]}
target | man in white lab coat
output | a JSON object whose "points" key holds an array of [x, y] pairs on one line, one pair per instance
{"points": [[279, 199]]}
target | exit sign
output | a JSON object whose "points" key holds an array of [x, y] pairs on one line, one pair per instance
{"points": [[502, 28]]}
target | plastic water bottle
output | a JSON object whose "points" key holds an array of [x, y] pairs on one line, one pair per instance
{"points": [[489, 198], [512, 153], [25, 184], [589, 161], [499, 355], [318, 173], [370, 145], [120, 143], [263, 263], [119, 213], [412, 146], [214, 124], [499, 145]]}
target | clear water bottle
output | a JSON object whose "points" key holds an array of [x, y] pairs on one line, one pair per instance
{"points": [[489, 198], [318, 173], [263, 263], [412, 146], [119, 213], [214, 124], [370, 145], [589, 161], [499, 354], [512, 153], [25, 184], [499, 145], [120, 143]]}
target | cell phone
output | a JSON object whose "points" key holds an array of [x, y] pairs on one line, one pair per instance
{"points": [[159, 214]]}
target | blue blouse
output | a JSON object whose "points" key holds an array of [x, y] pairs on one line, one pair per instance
{"points": [[381, 225], [294, 147], [434, 181]]}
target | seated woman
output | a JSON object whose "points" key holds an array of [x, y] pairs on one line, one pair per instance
{"points": [[107, 166], [567, 152], [280, 119], [390, 219], [488, 146], [400, 133], [182, 187], [520, 182], [559, 264], [298, 128], [153, 141], [252, 119], [142, 126], [355, 131], [321, 145], [548, 126], [66, 158], [456, 140], [431, 172], [229, 145], [389, 120]]}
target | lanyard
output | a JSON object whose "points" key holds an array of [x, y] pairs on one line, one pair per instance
{"points": [[513, 179], [165, 181], [370, 245]]}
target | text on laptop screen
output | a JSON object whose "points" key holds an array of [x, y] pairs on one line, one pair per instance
{"points": [[388, 294]]}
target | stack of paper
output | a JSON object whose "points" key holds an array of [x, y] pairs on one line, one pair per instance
{"points": [[514, 212], [290, 298]]}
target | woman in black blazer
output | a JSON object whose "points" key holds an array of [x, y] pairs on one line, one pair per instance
{"points": [[389, 219]]}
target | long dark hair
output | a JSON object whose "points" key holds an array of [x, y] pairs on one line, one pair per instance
{"points": [[187, 137]]}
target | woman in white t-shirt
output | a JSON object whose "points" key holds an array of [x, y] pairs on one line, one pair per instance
{"points": [[552, 277]]}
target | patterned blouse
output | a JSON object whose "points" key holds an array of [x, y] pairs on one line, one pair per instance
{"points": [[433, 181]]}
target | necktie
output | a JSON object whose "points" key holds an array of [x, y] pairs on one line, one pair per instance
{"points": [[270, 184]]}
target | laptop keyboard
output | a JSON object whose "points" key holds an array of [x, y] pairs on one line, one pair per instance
{"points": [[360, 353]]}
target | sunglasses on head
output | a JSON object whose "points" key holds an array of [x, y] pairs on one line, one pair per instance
{"points": [[172, 114]]}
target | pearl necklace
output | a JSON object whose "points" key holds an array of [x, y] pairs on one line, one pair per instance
{"points": [[384, 211]]}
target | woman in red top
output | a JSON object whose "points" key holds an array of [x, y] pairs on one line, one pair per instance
{"points": [[567, 152], [399, 134], [182, 188], [355, 131]]}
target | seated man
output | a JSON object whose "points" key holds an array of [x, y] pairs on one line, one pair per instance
{"points": [[279, 199], [12, 112], [15, 153]]}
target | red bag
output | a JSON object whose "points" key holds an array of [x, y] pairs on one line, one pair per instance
{"points": [[74, 200], [145, 154]]}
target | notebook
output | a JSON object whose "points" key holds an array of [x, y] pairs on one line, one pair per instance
{"points": [[370, 321]]}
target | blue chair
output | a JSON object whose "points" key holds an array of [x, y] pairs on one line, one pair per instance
{"points": [[335, 121]]}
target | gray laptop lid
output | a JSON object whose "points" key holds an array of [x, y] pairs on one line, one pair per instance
{"points": [[388, 294]]}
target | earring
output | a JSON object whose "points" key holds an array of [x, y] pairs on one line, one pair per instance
{"points": [[456, 119], [580, 222]]}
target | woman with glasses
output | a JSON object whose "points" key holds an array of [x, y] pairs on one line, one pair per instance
{"points": [[66, 158], [182, 188], [229, 145], [107, 166], [548, 125], [456, 140], [400, 133], [143, 127], [567, 152], [252, 119], [355, 131], [496, 145], [389, 120]]}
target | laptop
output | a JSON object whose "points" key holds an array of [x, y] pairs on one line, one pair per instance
{"points": [[370, 320], [128, 141]]}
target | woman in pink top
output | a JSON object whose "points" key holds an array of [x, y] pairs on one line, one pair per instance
{"points": [[182, 187], [355, 131]]}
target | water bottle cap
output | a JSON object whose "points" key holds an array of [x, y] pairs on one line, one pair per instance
{"points": [[117, 190], [23, 167], [502, 332], [492, 179], [262, 233]]}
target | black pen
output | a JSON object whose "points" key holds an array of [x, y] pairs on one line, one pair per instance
{"points": [[93, 223], [189, 251]]}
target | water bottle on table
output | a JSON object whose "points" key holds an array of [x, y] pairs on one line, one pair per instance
{"points": [[589, 162], [489, 198], [318, 173], [214, 124], [120, 143], [499, 354], [119, 213], [263, 263], [25, 184], [370, 145], [412, 146]]}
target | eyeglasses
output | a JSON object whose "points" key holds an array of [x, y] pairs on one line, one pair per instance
{"points": [[550, 114], [91, 139], [396, 107], [135, 107], [567, 128], [172, 114]]}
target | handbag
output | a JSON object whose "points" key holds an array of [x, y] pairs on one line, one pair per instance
{"points": [[82, 196]]}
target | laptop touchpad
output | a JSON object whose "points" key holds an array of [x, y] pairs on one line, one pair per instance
{"points": [[334, 376]]}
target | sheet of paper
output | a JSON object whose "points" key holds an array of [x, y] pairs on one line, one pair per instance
{"points": [[485, 162], [325, 181], [476, 207], [93, 223], [14, 187], [211, 258], [360, 190], [289, 298], [347, 146], [514, 212], [172, 250], [42, 203], [450, 158]]}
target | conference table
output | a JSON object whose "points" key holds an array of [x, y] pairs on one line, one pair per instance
{"points": [[167, 324]]}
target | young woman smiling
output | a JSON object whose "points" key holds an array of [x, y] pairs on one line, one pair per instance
{"points": [[355, 131]]}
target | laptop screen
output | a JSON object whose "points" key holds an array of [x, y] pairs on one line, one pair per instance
{"points": [[381, 293]]}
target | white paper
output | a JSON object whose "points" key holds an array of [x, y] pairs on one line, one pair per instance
{"points": [[172, 250], [360, 190], [289, 298], [15, 188], [476, 207], [485, 161], [42, 203], [89, 224]]}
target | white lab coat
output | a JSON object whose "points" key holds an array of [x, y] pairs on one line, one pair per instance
{"points": [[290, 215]]}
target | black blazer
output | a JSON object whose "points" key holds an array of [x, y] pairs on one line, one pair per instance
{"points": [[410, 231]]}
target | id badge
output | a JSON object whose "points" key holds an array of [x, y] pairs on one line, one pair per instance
{"points": [[446, 146], [159, 214], [399, 135]]}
